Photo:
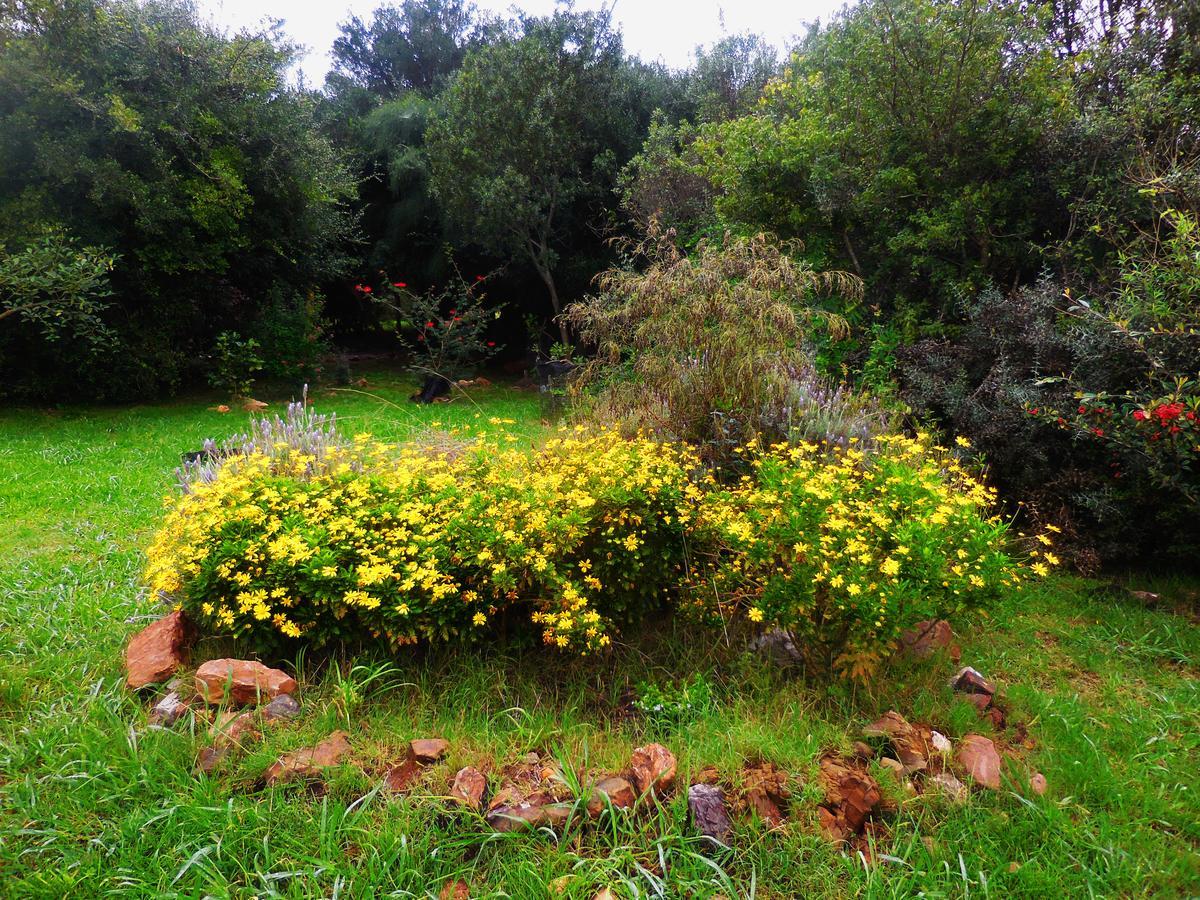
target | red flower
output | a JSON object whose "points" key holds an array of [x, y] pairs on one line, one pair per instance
{"points": [[399, 284], [1139, 415], [428, 324], [479, 278], [366, 289], [1098, 432], [1034, 411], [491, 343], [1082, 410], [1168, 412]]}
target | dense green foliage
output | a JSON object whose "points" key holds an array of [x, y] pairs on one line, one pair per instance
{"points": [[186, 154], [1016, 185], [530, 134]]}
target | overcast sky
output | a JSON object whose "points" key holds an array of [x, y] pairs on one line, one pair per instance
{"points": [[666, 30]]}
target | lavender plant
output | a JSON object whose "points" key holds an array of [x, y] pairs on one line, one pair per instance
{"points": [[300, 433]]}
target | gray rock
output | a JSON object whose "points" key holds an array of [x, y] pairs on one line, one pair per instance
{"points": [[285, 706], [710, 816]]}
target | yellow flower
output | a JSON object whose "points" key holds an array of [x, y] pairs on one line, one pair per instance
{"points": [[1040, 569], [963, 442], [890, 567], [480, 619], [755, 614]]}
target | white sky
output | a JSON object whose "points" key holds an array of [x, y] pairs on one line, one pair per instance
{"points": [[666, 30]]}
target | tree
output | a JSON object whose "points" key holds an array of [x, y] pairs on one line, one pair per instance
{"points": [[415, 46], [524, 135], [56, 286], [140, 128], [730, 75]]}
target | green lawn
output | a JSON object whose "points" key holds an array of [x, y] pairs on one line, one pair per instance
{"points": [[94, 803]]}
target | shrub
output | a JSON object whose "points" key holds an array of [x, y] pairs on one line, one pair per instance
{"points": [[665, 708], [445, 331], [300, 433], [291, 335], [714, 349], [306, 539], [235, 362], [54, 285], [403, 545], [849, 550]]}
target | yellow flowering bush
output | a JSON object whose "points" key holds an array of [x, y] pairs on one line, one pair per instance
{"points": [[405, 545], [846, 549], [399, 544]]}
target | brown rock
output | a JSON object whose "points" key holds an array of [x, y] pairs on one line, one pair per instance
{"points": [[926, 638], [401, 776], [910, 746], [166, 712], [428, 750], [455, 890], [469, 786], [538, 810], [611, 791], [767, 793], [233, 729], [157, 651], [980, 701], [978, 757], [851, 797], [209, 758], [969, 681], [707, 775], [710, 816], [1038, 784], [862, 750], [244, 682], [308, 763], [653, 769], [604, 894], [892, 765]]}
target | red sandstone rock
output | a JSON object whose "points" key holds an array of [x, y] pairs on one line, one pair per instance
{"points": [[978, 757], [428, 750], [851, 797], [159, 650], [308, 763], [653, 768], [619, 793], [926, 638], [469, 786], [911, 748], [766, 792], [242, 681]]}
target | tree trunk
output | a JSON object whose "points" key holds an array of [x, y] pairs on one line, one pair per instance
{"points": [[543, 269]]}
